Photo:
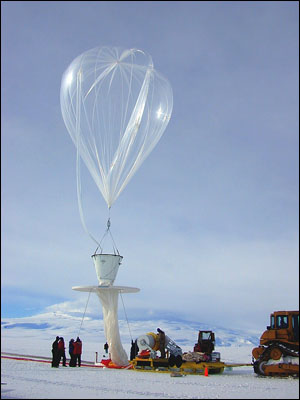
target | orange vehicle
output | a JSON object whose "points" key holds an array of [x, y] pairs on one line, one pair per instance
{"points": [[206, 342], [278, 353]]}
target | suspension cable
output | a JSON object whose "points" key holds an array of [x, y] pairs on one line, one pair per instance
{"points": [[84, 312], [108, 231], [126, 316], [78, 168]]}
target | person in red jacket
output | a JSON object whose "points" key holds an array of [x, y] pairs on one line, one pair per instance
{"points": [[77, 352], [61, 352]]}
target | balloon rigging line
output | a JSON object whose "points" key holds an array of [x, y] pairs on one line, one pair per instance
{"points": [[84, 312], [126, 316], [106, 233], [79, 199]]}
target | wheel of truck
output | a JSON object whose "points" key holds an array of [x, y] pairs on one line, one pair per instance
{"points": [[260, 367], [172, 360], [275, 353], [178, 361]]}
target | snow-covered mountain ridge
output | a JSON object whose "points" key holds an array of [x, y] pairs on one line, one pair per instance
{"points": [[184, 333]]}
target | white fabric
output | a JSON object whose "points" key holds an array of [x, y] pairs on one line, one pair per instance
{"points": [[109, 300], [107, 266], [94, 289], [116, 107]]}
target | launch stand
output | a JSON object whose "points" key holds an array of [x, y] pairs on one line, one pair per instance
{"points": [[107, 266]]}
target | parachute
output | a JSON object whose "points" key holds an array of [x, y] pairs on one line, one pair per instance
{"points": [[116, 107]]}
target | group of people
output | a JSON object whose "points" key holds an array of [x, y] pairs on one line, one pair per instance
{"points": [[59, 352], [75, 350]]}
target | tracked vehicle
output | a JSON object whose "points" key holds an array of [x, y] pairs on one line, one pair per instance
{"points": [[278, 352]]}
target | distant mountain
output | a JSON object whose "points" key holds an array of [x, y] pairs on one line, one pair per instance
{"points": [[184, 333]]}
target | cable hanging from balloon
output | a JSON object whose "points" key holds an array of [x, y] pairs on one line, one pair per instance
{"points": [[78, 172], [108, 231], [84, 314]]}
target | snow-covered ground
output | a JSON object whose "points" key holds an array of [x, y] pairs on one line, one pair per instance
{"points": [[37, 380], [31, 380]]}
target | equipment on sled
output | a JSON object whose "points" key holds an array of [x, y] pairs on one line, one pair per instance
{"points": [[150, 342], [175, 360]]}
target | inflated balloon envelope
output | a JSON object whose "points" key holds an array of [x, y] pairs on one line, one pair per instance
{"points": [[116, 107]]}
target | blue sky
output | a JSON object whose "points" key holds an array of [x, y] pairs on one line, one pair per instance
{"points": [[208, 227]]}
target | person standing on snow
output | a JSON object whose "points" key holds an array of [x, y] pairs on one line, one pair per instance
{"points": [[106, 348], [61, 352], [134, 349], [162, 340], [71, 352], [55, 352], [77, 352]]}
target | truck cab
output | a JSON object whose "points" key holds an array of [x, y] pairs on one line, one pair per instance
{"points": [[206, 342]]}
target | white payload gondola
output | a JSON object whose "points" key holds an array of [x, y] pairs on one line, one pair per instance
{"points": [[107, 267]]}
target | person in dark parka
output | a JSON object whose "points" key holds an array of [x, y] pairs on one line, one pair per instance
{"points": [[55, 352], [134, 349], [106, 348], [71, 352]]}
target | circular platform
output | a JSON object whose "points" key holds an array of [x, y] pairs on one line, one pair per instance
{"points": [[120, 289]]}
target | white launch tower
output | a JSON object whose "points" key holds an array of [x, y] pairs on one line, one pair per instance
{"points": [[107, 266]]}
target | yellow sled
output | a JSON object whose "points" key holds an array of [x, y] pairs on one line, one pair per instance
{"points": [[187, 367]]}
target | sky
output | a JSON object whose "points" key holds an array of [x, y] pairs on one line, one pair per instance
{"points": [[208, 226]]}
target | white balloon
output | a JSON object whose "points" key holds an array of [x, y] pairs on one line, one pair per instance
{"points": [[116, 107]]}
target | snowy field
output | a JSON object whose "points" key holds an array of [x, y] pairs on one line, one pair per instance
{"points": [[37, 380]]}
